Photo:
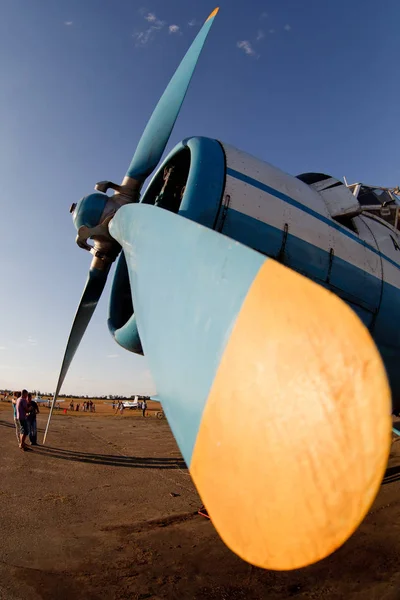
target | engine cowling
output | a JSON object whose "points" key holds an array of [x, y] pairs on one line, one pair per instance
{"points": [[190, 182]]}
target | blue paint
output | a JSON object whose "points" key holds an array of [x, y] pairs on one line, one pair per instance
{"points": [[188, 285], [253, 233], [206, 181], [356, 285], [330, 222], [391, 356], [121, 319], [89, 209], [158, 129], [303, 257], [201, 203], [387, 330]]}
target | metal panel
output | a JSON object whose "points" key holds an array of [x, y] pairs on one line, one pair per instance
{"points": [[362, 286]]}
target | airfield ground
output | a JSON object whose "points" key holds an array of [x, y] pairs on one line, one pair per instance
{"points": [[108, 510]]}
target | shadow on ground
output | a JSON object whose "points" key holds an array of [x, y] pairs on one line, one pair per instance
{"points": [[114, 460], [133, 462]]}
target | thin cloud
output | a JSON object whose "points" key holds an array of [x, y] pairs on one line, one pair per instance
{"points": [[260, 35], [142, 38], [287, 28], [68, 23], [112, 355], [174, 28], [193, 23], [263, 15], [2, 348], [32, 341], [272, 31], [247, 48]]}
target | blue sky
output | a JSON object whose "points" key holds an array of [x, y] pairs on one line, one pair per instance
{"points": [[307, 86]]}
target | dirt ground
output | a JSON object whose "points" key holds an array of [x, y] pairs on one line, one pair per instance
{"points": [[108, 510]]}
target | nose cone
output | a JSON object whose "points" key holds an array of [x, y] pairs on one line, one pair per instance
{"points": [[89, 209]]}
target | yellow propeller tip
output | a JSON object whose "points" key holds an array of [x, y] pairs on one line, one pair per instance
{"points": [[214, 12]]}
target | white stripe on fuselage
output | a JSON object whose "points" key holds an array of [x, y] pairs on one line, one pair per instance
{"points": [[273, 210], [258, 204]]}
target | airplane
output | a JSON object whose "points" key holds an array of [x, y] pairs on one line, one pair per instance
{"points": [[130, 404], [46, 401], [240, 282]]}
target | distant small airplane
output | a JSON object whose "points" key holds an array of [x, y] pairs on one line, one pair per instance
{"points": [[244, 285], [130, 404], [40, 400]]}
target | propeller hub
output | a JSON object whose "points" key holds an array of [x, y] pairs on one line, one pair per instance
{"points": [[91, 217]]}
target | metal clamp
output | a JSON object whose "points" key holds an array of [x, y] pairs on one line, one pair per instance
{"points": [[103, 186]]}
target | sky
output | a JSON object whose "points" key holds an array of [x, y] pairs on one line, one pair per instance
{"points": [[305, 85]]}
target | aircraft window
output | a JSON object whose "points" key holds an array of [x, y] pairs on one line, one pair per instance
{"points": [[167, 188], [383, 196], [310, 178], [370, 196], [381, 203]]}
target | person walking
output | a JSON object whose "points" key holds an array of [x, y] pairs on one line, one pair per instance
{"points": [[14, 405], [33, 410], [144, 407], [22, 409]]}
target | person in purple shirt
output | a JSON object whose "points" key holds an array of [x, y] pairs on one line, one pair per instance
{"points": [[22, 409]]}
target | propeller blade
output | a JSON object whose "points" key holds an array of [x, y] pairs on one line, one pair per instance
{"points": [[90, 297], [272, 386], [156, 134]]}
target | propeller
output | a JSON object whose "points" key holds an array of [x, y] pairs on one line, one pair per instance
{"points": [[92, 214], [90, 297], [156, 134], [272, 386]]}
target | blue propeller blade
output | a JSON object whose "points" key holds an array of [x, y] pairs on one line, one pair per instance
{"points": [[90, 297], [222, 333], [156, 134]]}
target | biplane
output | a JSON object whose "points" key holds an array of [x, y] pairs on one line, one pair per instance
{"points": [[240, 282]]}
